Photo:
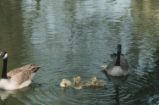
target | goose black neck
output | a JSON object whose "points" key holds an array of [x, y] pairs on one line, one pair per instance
{"points": [[118, 59], [4, 72]]}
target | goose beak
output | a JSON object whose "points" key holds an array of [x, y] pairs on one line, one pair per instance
{"points": [[2, 55]]}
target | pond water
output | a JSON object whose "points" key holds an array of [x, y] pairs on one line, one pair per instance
{"points": [[68, 38]]}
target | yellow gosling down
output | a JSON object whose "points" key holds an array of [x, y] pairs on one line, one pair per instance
{"points": [[86, 83], [65, 83], [97, 83], [77, 83]]}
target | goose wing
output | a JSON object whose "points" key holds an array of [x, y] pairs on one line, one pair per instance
{"points": [[28, 67], [123, 62], [21, 77]]}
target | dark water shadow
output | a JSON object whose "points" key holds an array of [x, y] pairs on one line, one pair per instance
{"points": [[117, 98], [117, 82]]}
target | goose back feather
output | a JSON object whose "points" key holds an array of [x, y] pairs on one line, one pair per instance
{"points": [[29, 67], [119, 64], [123, 63]]}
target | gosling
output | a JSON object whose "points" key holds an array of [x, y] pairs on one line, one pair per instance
{"points": [[65, 83], [97, 83], [77, 83]]}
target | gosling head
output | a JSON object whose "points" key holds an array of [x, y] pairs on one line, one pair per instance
{"points": [[3, 55], [94, 80], [77, 80]]}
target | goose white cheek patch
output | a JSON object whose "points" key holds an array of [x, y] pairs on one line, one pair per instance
{"points": [[5, 56]]}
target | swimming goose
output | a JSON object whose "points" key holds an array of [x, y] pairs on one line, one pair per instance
{"points": [[118, 66], [17, 78], [65, 83]]}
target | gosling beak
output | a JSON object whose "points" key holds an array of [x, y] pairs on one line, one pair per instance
{"points": [[2, 55]]}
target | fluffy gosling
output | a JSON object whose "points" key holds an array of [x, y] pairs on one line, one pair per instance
{"points": [[97, 83], [65, 83]]}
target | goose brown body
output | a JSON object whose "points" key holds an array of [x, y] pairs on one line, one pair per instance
{"points": [[121, 70], [17, 78], [118, 66], [22, 74], [29, 67]]}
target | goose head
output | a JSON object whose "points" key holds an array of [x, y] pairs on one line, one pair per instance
{"points": [[3, 55]]}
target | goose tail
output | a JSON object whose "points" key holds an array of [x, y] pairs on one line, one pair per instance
{"points": [[35, 68]]}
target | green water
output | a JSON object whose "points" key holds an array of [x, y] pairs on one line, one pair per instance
{"points": [[68, 38]]}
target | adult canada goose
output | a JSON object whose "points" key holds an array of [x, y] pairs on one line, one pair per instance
{"points": [[65, 83], [17, 78], [118, 66]]}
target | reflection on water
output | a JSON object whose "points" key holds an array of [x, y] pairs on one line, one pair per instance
{"points": [[4, 94], [75, 37]]}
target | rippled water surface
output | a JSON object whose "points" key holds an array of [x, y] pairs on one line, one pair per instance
{"points": [[68, 38]]}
